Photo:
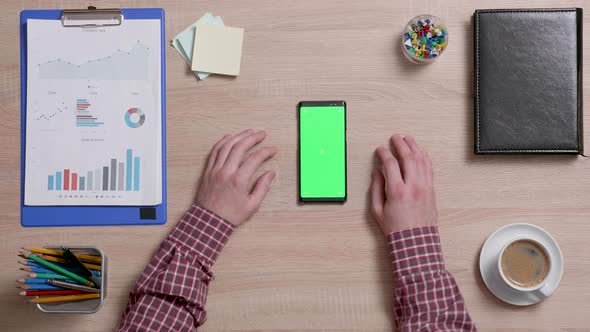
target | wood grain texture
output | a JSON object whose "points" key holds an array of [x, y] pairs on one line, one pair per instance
{"points": [[321, 267]]}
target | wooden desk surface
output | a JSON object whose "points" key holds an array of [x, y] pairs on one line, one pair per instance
{"points": [[322, 267]]}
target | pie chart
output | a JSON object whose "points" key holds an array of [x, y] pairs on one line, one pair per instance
{"points": [[134, 117]]}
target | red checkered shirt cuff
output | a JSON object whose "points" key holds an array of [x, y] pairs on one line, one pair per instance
{"points": [[202, 231], [415, 250]]}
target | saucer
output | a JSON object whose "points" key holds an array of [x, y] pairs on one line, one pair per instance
{"points": [[488, 260]]}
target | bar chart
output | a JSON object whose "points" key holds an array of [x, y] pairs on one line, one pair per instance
{"points": [[114, 175], [84, 118]]}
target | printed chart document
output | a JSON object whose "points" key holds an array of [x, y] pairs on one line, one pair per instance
{"points": [[93, 124]]}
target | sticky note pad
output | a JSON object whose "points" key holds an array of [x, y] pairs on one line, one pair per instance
{"points": [[185, 40], [218, 49]]}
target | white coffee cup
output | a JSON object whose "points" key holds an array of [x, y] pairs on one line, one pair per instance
{"points": [[542, 289], [490, 265]]}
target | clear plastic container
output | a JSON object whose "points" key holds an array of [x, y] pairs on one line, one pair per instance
{"points": [[424, 39]]}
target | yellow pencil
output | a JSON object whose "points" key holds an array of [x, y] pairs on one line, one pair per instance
{"points": [[64, 298], [60, 254], [63, 261]]}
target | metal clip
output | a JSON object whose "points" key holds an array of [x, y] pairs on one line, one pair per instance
{"points": [[91, 17]]}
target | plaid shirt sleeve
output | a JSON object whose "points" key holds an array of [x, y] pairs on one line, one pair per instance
{"points": [[426, 297], [171, 292]]}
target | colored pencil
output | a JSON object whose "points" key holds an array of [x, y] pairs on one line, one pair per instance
{"points": [[48, 276], [52, 292], [69, 285], [30, 281], [58, 269], [65, 298], [28, 262], [37, 268], [52, 252], [63, 261], [39, 287]]}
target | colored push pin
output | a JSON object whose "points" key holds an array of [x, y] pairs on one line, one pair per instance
{"points": [[424, 39]]}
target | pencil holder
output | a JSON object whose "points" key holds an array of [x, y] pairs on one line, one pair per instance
{"points": [[86, 306]]}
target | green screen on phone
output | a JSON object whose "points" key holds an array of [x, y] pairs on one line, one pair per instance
{"points": [[322, 149]]}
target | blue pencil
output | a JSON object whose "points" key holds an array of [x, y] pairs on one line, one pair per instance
{"points": [[30, 281], [39, 287], [35, 267]]}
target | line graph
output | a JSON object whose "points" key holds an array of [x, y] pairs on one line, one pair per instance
{"points": [[121, 65], [49, 116]]}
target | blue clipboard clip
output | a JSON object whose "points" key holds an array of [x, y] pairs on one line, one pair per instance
{"points": [[45, 216]]}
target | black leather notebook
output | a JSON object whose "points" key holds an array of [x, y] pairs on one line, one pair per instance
{"points": [[528, 81]]}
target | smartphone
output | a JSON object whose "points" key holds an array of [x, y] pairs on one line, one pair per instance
{"points": [[322, 151]]}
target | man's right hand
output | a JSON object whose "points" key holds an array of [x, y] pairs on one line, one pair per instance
{"points": [[228, 186], [402, 193]]}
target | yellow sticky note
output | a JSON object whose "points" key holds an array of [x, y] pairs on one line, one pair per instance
{"points": [[218, 49]]}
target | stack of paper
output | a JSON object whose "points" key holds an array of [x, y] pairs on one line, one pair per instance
{"points": [[210, 47]]}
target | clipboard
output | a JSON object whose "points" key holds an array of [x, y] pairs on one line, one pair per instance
{"points": [[45, 216]]}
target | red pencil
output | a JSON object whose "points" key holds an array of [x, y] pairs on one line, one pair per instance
{"points": [[52, 292]]}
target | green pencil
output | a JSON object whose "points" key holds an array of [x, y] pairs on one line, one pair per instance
{"points": [[48, 276], [57, 269]]}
